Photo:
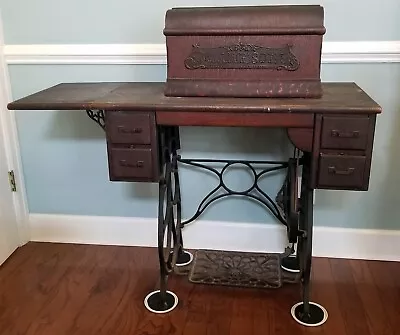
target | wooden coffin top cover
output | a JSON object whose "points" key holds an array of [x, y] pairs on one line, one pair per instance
{"points": [[245, 20]]}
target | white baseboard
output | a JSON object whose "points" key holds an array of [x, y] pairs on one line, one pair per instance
{"points": [[152, 54], [328, 242]]}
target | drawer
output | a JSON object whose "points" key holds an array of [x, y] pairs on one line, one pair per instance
{"points": [[344, 132], [131, 163], [341, 171], [128, 127]]}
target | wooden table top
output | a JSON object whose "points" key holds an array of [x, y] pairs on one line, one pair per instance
{"points": [[149, 96]]}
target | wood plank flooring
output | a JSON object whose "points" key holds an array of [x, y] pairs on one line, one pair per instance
{"points": [[57, 289]]}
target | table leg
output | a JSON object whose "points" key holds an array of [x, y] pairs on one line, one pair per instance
{"points": [[306, 312], [170, 242], [184, 257], [291, 263], [290, 260]]}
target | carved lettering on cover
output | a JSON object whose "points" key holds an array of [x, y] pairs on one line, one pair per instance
{"points": [[242, 56]]}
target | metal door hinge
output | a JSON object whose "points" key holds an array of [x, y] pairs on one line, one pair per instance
{"points": [[11, 179]]}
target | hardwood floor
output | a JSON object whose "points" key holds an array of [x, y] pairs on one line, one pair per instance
{"points": [[57, 289]]}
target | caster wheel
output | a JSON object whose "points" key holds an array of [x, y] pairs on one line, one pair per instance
{"points": [[317, 316], [290, 264], [184, 258], [154, 303]]}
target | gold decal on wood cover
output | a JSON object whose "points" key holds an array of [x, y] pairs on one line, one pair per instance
{"points": [[242, 56]]}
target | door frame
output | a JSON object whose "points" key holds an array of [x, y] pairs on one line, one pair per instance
{"points": [[8, 129]]}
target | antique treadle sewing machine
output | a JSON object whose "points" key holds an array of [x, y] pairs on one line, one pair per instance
{"points": [[234, 66]]}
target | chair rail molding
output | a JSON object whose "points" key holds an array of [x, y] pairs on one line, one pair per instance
{"points": [[333, 52]]}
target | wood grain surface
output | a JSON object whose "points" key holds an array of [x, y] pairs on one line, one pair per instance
{"points": [[57, 289], [347, 98]]}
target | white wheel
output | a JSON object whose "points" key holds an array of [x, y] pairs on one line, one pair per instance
{"points": [[154, 304]]}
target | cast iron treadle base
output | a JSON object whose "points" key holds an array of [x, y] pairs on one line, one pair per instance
{"points": [[317, 316], [290, 264], [218, 167], [184, 258], [155, 304]]}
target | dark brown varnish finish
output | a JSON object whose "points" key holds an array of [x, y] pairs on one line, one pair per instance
{"points": [[302, 138], [132, 146], [338, 128], [236, 119], [338, 98], [244, 51], [48, 289], [334, 128]]}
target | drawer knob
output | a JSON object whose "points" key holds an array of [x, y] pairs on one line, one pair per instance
{"points": [[343, 134], [138, 164], [347, 172], [123, 130]]}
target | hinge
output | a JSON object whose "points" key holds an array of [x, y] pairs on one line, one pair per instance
{"points": [[11, 179]]}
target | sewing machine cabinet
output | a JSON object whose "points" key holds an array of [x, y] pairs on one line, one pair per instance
{"points": [[244, 66]]}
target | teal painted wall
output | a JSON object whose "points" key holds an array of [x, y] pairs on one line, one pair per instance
{"points": [[65, 164], [64, 154], [128, 21]]}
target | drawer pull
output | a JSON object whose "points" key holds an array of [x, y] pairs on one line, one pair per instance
{"points": [[123, 130], [337, 133], [138, 164], [346, 172]]}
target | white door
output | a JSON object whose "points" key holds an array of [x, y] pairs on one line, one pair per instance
{"points": [[9, 234], [9, 238]]}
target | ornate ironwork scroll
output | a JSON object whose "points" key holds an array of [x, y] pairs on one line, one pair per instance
{"points": [[98, 117], [287, 199], [169, 216], [242, 56], [294, 212], [170, 245], [254, 191]]}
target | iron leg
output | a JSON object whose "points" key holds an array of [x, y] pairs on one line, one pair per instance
{"points": [[184, 257], [306, 312], [162, 300], [291, 262]]}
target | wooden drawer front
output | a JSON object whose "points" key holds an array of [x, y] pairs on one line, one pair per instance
{"points": [[132, 128], [131, 163], [339, 171], [344, 132]]}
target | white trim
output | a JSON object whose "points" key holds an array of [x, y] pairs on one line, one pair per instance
{"points": [[148, 54], [328, 242], [361, 52], [12, 146], [153, 54]]}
